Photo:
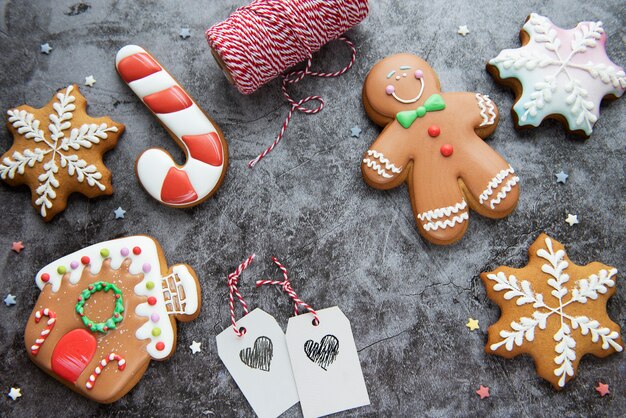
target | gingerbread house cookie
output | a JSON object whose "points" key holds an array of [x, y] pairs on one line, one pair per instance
{"points": [[105, 311]]}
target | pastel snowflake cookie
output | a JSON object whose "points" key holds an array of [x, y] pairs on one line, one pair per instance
{"points": [[560, 74], [553, 310], [57, 150]]}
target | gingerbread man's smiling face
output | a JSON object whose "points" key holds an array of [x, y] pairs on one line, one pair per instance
{"points": [[397, 83]]}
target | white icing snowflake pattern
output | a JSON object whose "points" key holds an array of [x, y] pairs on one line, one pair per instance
{"points": [[564, 72], [524, 329], [57, 145]]}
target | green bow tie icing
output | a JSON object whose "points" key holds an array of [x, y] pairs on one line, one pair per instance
{"points": [[432, 104]]}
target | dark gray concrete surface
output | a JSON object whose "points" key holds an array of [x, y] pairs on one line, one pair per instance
{"points": [[344, 243]]}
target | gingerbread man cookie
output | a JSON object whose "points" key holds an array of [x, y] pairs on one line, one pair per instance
{"points": [[553, 310], [57, 150], [433, 141], [560, 74], [105, 311]]}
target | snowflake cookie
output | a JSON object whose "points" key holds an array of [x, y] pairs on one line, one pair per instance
{"points": [[62, 159], [559, 74], [553, 310]]}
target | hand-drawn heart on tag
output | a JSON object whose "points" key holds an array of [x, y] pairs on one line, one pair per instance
{"points": [[259, 356], [323, 353]]}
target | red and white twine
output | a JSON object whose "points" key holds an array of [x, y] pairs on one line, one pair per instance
{"points": [[233, 281], [52, 319], [263, 39], [287, 288], [121, 364]]}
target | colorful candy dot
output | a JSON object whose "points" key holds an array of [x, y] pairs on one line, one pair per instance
{"points": [[390, 89], [152, 300], [85, 260], [155, 317], [150, 285], [419, 74], [136, 250], [74, 265], [434, 131], [146, 268], [160, 346], [104, 252], [446, 150], [61, 270], [156, 332], [124, 251], [45, 277]]}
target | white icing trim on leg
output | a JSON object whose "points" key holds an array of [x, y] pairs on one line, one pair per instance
{"points": [[441, 212], [505, 190], [433, 226], [494, 183]]}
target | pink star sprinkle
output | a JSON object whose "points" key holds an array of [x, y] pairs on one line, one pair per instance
{"points": [[603, 389], [17, 246], [483, 392]]}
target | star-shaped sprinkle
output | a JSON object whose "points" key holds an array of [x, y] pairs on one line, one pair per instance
{"points": [[195, 347], [185, 33], [571, 219], [472, 324], [17, 246], [463, 30], [355, 131], [119, 213], [603, 389], [45, 48], [90, 80], [561, 177], [483, 392], [15, 393], [9, 300]]}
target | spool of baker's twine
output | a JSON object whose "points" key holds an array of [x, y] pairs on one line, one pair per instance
{"points": [[262, 40]]}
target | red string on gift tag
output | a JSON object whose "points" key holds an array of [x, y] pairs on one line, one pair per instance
{"points": [[233, 281], [265, 38], [287, 288]]}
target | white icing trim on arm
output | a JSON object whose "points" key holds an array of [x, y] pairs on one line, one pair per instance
{"points": [[487, 109]]}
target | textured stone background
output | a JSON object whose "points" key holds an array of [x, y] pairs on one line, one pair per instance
{"points": [[344, 243]]}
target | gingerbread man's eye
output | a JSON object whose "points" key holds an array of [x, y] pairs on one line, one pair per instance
{"points": [[419, 74], [390, 89]]}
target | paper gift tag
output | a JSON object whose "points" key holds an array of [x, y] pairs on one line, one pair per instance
{"points": [[259, 363], [325, 363]]}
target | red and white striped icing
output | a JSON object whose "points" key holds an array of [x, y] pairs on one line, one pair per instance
{"points": [[165, 181], [52, 319], [121, 365]]}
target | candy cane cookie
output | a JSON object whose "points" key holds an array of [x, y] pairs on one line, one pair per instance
{"points": [[193, 130]]}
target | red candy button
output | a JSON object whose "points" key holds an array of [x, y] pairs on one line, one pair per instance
{"points": [[45, 277], [136, 250], [160, 346], [434, 131], [152, 300], [446, 150], [84, 259]]}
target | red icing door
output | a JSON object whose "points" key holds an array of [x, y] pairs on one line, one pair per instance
{"points": [[73, 353]]}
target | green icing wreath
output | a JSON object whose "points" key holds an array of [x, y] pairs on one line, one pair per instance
{"points": [[110, 323]]}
